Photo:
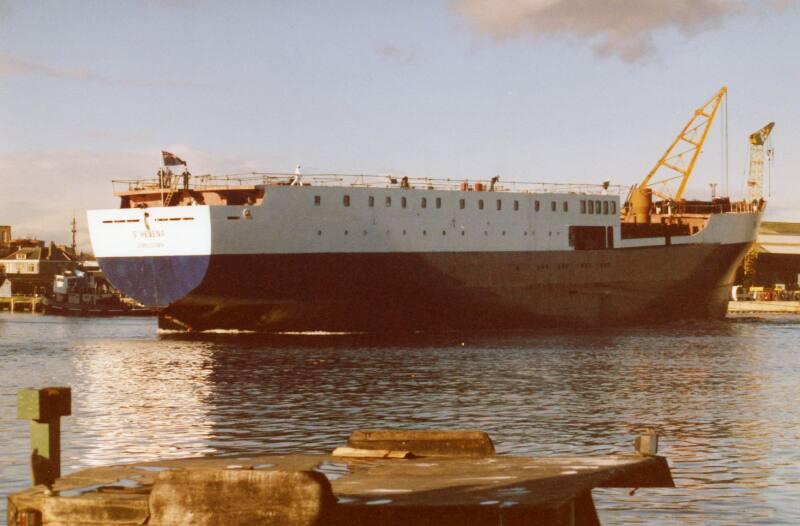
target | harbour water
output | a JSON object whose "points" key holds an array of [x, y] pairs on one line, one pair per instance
{"points": [[726, 395]]}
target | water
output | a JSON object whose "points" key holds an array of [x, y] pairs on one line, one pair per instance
{"points": [[727, 396]]}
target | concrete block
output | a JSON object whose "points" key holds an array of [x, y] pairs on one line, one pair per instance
{"points": [[95, 509], [349, 452], [425, 442], [240, 498]]}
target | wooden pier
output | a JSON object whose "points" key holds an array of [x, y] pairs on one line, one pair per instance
{"points": [[764, 307], [32, 304], [385, 477]]}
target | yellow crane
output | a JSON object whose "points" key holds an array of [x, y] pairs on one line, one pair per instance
{"points": [[679, 159], [755, 179]]}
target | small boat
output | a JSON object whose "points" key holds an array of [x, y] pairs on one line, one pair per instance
{"points": [[86, 292]]}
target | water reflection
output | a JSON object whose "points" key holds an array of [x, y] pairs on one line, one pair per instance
{"points": [[723, 393], [153, 402]]}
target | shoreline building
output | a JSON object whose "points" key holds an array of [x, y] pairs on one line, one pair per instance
{"points": [[32, 267], [776, 255], [5, 239]]}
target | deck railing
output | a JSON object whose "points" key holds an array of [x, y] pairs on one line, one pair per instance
{"points": [[207, 181]]}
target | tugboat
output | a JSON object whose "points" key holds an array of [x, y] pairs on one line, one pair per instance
{"points": [[85, 292]]}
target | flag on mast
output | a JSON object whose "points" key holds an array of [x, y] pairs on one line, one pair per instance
{"points": [[170, 159]]}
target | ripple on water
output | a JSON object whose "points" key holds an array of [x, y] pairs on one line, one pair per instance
{"points": [[723, 393]]}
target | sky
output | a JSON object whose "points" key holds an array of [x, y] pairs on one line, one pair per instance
{"points": [[532, 90]]}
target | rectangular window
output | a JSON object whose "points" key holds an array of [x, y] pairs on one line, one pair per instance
{"points": [[499, 204], [317, 200], [591, 207], [565, 206], [438, 202], [371, 201], [424, 203], [480, 204], [552, 206], [516, 205], [346, 200], [605, 207], [462, 204], [388, 201], [403, 202], [583, 206], [536, 206], [597, 209], [613, 207]]}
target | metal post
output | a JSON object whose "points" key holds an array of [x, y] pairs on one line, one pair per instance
{"points": [[44, 408]]}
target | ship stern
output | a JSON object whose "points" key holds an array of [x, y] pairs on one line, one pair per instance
{"points": [[154, 255]]}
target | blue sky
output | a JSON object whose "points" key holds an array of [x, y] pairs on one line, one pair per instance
{"points": [[533, 90]]}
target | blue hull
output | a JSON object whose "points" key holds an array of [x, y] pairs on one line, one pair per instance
{"points": [[155, 281]]}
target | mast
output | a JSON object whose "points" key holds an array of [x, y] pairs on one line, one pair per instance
{"points": [[74, 246]]}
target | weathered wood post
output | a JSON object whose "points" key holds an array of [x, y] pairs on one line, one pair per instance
{"points": [[44, 408]]}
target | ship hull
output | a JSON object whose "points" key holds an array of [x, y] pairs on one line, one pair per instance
{"points": [[393, 292]]}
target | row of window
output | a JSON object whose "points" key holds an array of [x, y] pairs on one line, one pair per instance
{"points": [[444, 233], [590, 207], [598, 207]]}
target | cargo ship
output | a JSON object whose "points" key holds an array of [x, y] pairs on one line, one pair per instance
{"points": [[288, 252]]}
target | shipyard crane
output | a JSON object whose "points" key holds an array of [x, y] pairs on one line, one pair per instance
{"points": [[678, 161], [755, 178]]}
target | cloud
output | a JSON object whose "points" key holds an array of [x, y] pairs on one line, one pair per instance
{"points": [[622, 28], [395, 54], [13, 66], [179, 4]]}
